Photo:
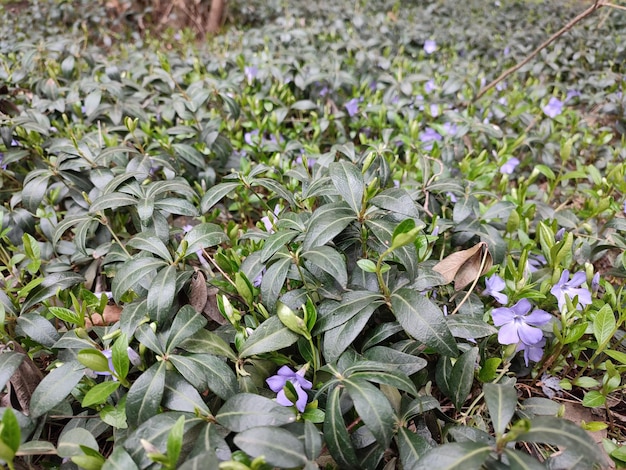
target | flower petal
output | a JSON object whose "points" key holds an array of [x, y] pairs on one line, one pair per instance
{"points": [[500, 297], [276, 383], [577, 279], [529, 334], [537, 318], [302, 398], [502, 315], [508, 334], [522, 307], [282, 399], [285, 371]]}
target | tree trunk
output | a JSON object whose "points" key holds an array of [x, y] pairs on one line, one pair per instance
{"points": [[215, 15]]}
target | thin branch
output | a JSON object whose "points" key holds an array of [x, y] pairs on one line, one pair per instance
{"points": [[597, 4]]}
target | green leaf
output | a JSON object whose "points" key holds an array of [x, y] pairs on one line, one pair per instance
{"points": [[205, 341], [132, 316], [351, 303], [540, 406], [71, 441], [219, 377], [312, 440], [92, 101], [186, 323], [149, 242], [215, 194], [36, 448], [93, 359], [180, 395], [279, 447], [271, 335], [594, 399], [373, 408], [462, 377], [273, 281], [501, 402], [49, 286], [119, 356], [11, 432], [204, 236], [67, 315], [397, 200], [423, 320], [54, 387], [455, 456], [406, 363], [148, 338], [161, 294], [176, 205], [37, 328], [367, 265], [560, 432], [336, 435], [411, 447], [99, 393], [275, 242], [131, 273], [522, 461], [175, 441], [144, 396], [327, 222], [338, 339], [276, 188], [247, 410], [604, 324], [395, 379], [112, 201], [330, 261], [34, 189], [9, 363], [419, 406], [469, 326], [348, 182]]}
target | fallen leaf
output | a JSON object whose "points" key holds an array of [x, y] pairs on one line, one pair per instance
{"points": [[463, 266], [111, 314], [22, 383], [198, 294], [210, 309]]}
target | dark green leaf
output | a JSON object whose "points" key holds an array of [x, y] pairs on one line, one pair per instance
{"points": [[275, 242], [521, 461], [538, 406], [144, 396], [132, 316], [423, 320], [9, 363], [215, 194], [406, 363], [348, 182], [205, 341], [37, 328], [34, 189], [312, 440], [373, 408], [204, 236], [456, 456], [501, 402], [469, 326], [246, 410], [462, 377], [131, 273], [395, 379], [149, 242], [273, 281], [330, 261], [327, 222], [411, 447], [271, 335], [352, 303], [277, 188], [54, 387], [419, 406], [381, 333], [397, 200], [219, 377], [336, 435], [180, 395], [119, 460], [279, 447], [338, 339], [112, 201], [186, 323], [148, 338], [49, 287]]}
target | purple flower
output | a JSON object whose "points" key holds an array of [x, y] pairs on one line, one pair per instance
{"points": [[449, 128], [532, 352], [572, 289], [352, 107], [494, 286], [558, 236], [571, 94], [553, 108], [507, 51], [108, 353], [595, 283], [247, 137], [535, 263], [430, 46], [430, 86], [501, 86], [250, 72], [517, 324], [324, 91], [624, 208], [434, 110], [277, 384], [429, 136], [509, 167], [269, 222], [257, 280]]}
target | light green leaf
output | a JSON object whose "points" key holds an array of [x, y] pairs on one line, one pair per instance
{"points": [[373, 408], [330, 261], [247, 410], [144, 396], [336, 435], [271, 335], [501, 402], [54, 387], [279, 447], [455, 456], [423, 320], [348, 182], [604, 324], [594, 399], [99, 393], [93, 359], [10, 435], [67, 315]]}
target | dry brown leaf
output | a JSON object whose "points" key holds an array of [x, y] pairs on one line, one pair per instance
{"points": [[463, 266], [198, 294], [22, 383], [110, 315], [210, 309]]}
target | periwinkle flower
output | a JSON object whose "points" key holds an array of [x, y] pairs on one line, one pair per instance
{"points": [[571, 288], [430, 86], [624, 208], [595, 283], [430, 46], [434, 110], [429, 136], [494, 287], [571, 94], [536, 262], [449, 128], [553, 108], [532, 352], [269, 222], [558, 236], [250, 72], [352, 107], [509, 167], [518, 323], [247, 137], [277, 384], [507, 51]]}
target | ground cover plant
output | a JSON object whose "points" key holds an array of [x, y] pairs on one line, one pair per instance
{"points": [[249, 254]]}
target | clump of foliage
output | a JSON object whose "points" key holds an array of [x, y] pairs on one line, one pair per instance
{"points": [[249, 255]]}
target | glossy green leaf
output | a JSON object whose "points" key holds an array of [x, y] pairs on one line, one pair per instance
{"points": [[336, 435], [119, 356], [70, 442], [326, 223], [604, 324], [9, 363], [144, 396], [271, 335], [406, 363], [279, 447], [330, 261], [131, 273], [274, 280], [312, 440], [247, 410], [99, 393], [119, 460], [423, 320], [49, 287], [55, 387], [519, 460], [419, 406], [37, 328], [339, 338], [348, 182], [132, 316], [351, 304], [161, 294], [276, 188], [373, 408], [396, 200], [180, 395], [411, 447], [148, 338], [275, 242], [462, 377], [204, 236], [501, 402], [205, 341], [456, 456], [34, 190], [216, 193], [216, 373], [149, 242], [395, 379], [186, 323], [67, 315], [112, 201], [469, 326]]}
